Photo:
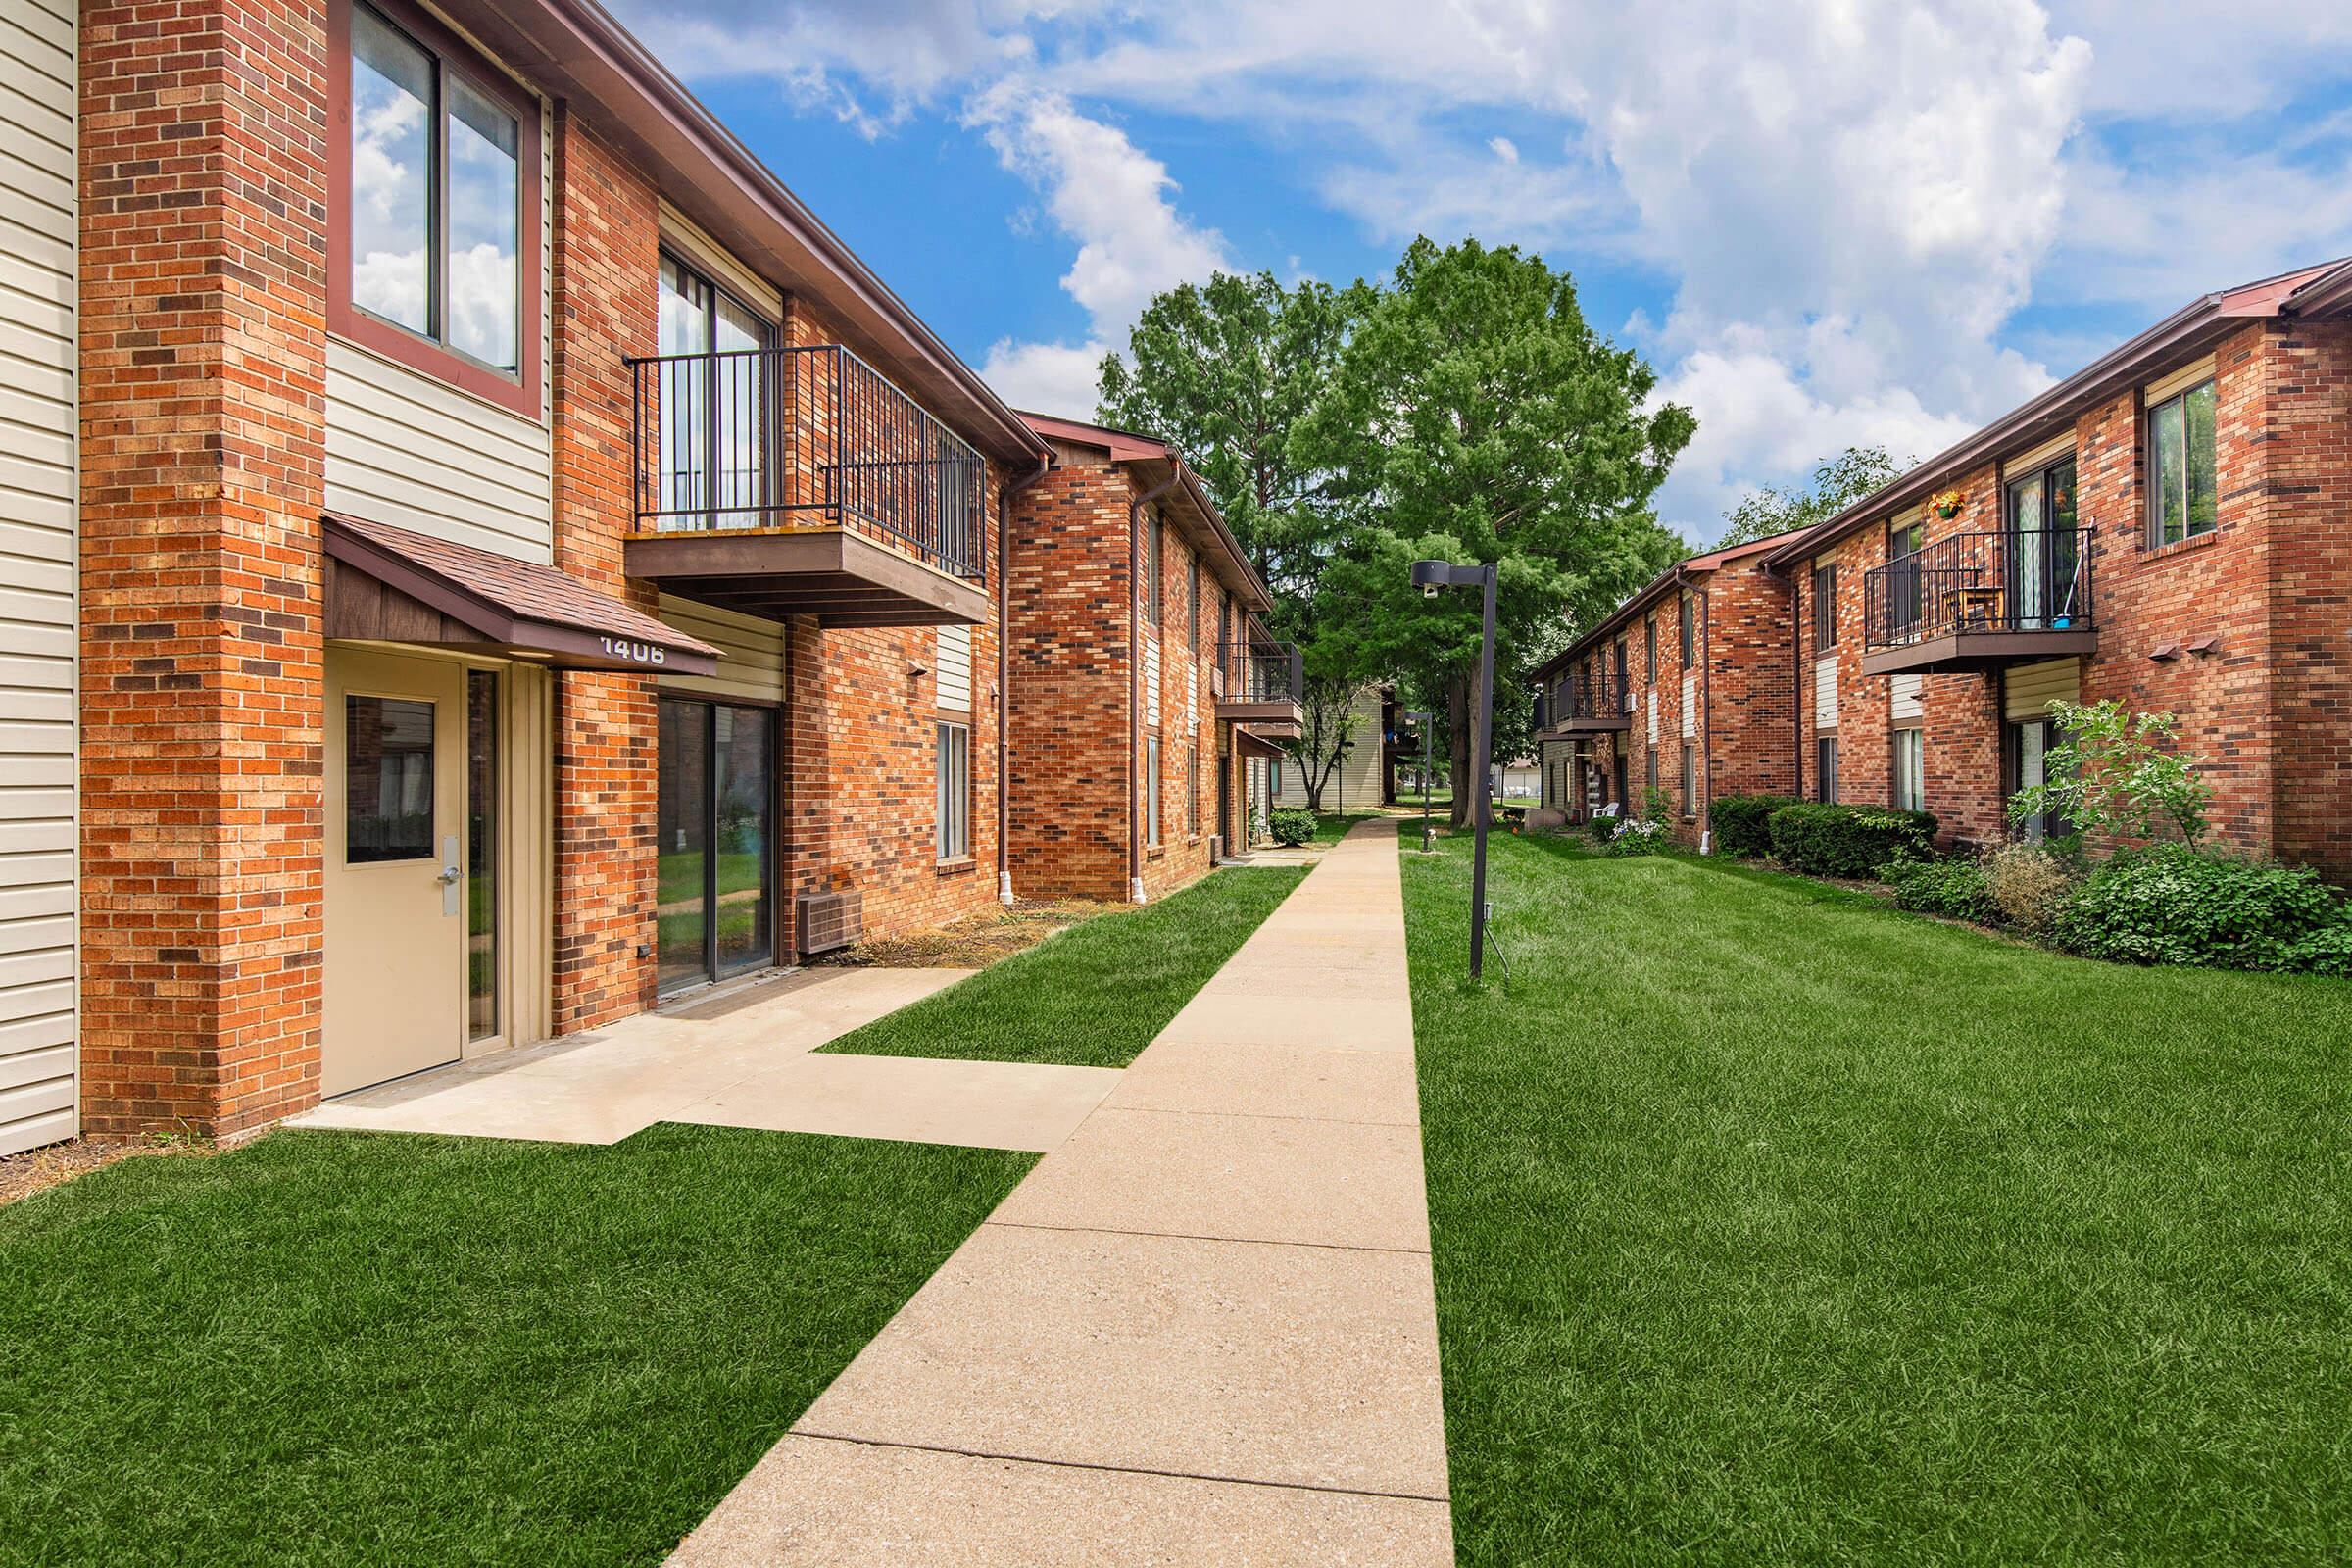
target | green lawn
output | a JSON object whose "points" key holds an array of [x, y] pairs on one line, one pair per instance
{"points": [[1092, 996], [1775, 1226], [351, 1349]]}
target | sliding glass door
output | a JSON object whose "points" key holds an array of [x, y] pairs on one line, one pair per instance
{"points": [[717, 819]]}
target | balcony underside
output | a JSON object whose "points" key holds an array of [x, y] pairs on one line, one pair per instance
{"points": [[1568, 729], [1976, 651], [840, 577], [1267, 715]]}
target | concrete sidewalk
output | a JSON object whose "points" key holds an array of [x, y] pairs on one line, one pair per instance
{"points": [[1202, 1331], [742, 1057]]}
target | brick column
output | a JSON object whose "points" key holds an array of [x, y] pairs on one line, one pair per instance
{"points": [[203, 182], [607, 241]]}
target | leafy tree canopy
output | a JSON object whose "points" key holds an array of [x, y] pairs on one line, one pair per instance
{"points": [[1837, 483]]}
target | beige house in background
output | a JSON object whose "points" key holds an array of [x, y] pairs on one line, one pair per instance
{"points": [[1356, 782]]}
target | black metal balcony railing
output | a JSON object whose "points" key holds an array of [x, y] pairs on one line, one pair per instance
{"points": [[809, 437], [1582, 696], [2021, 581], [1262, 672]]}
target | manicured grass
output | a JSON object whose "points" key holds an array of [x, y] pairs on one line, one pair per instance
{"points": [[1093, 995], [1333, 826], [350, 1349], [1775, 1226]]}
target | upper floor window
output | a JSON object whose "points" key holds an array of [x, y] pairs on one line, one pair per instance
{"points": [[1649, 649], [435, 192], [1825, 605], [709, 422], [1192, 599], [1690, 630], [2182, 466]]}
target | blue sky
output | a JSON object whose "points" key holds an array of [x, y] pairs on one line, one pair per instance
{"points": [[1858, 220]]}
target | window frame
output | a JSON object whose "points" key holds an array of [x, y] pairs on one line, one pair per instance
{"points": [[1153, 837], [1155, 563], [2152, 525], [1687, 613], [950, 807], [1898, 775], [524, 391], [1825, 768], [1649, 649], [1191, 597], [1825, 605], [1689, 781]]}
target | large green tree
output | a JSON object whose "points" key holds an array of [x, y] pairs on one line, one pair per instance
{"points": [[1227, 371], [1837, 483], [1476, 416]]}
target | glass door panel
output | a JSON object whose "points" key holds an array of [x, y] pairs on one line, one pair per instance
{"points": [[745, 785], [684, 816]]}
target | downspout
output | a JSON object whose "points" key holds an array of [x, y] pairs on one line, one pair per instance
{"points": [[1135, 671], [1706, 719], [1004, 494], [1796, 673]]}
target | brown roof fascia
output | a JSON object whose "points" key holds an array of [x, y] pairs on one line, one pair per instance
{"points": [[1685, 570], [2186, 332], [574, 49], [2324, 297]]}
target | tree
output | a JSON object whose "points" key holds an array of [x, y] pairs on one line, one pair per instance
{"points": [[1476, 416], [1837, 483], [1226, 372], [2115, 774]]}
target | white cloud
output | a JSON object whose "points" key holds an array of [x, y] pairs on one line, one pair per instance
{"points": [[1116, 201]]}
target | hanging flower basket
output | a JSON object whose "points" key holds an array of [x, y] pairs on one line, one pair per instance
{"points": [[1946, 504]]}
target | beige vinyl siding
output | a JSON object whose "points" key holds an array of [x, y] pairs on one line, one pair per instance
{"points": [[1151, 681], [37, 612], [1825, 693], [750, 652], [1903, 700], [2027, 689], [413, 450], [408, 450], [1357, 780], [1690, 708], [955, 669]]}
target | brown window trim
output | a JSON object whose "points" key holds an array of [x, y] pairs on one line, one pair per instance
{"points": [[524, 394]]}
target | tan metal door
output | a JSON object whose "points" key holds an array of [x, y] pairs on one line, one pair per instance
{"points": [[395, 866]]}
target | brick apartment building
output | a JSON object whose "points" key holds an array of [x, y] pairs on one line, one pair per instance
{"points": [[1146, 695], [2170, 527], [1685, 688], [491, 559]]}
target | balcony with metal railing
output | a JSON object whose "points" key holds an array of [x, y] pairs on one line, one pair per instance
{"points": [[800, 481], [1980, 601], [1262, 684], [1580, 703]]}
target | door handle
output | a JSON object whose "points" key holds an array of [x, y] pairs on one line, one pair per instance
{"points": [[449, 876]]}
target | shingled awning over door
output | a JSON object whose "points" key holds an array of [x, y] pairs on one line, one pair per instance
{"points": [[387, 584]]}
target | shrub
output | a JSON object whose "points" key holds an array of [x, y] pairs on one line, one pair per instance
{"points": [[1292, 825], [2173, 904], [1637, 836], [1600, 830], [1850, 841], [1742, 823], [2026, 885], [1954, 889], [2327, 950], [2115, 773]]}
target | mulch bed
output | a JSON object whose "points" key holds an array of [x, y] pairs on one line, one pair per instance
{"points": [[36, 1169], [976, 941]]}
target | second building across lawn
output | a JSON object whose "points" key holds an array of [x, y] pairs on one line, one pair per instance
{"points": [[1093, 995]]}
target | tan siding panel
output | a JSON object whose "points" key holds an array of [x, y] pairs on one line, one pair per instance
{"points": [[1825, 692], [750, 652], [37, 415], [1903, 696], [2027, 689], [405, 449], [954, 659]]}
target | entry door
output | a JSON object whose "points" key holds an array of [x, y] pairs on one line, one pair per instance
{"points": [[396, 938]]}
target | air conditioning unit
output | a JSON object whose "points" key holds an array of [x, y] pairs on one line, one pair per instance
{"points": [[824, 922]]}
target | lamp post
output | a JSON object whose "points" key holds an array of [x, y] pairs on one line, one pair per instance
{"points": [[1429, 741], [1428, 576]]}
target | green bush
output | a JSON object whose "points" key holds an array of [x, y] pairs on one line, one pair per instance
{"points": [[1742, 822], [2174, 904], [1600, 830], [1954, 889], [1637, 836], [1292, 825], [1850, 841]]}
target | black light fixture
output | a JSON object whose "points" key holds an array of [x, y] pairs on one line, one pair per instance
{"points": [[1428, 576]]}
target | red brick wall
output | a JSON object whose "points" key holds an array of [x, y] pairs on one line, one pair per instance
{"points": [[860, 750], [1071, 669], [1750, 681], [1184, 660], [203, 179], [607, 236]]}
